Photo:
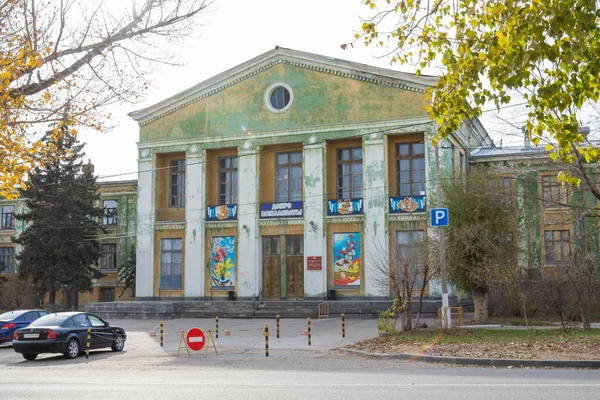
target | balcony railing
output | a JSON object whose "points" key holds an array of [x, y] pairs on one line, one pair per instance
{"points": [[170, 214]]}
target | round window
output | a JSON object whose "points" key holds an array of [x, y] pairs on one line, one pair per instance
{"points": [[279, 97]]}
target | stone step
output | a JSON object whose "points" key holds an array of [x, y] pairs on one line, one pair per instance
{"points": [[250, 309]]}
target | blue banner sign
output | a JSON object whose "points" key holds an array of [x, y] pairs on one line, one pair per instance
{"points": [[345, 207], [407, 204], [225, 212], [292, 209]]}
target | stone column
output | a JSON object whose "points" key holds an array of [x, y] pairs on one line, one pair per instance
{"points": [[144, 277], [194, 223], [315, 282], [376, 241], [248, 240]]}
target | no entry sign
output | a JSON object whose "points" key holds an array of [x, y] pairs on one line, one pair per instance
{"points": [[195, 339]]}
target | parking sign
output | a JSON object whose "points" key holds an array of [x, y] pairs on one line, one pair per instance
{"points": [[439, 217]]}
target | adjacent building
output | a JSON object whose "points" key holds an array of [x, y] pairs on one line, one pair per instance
{"points": [[117, 243]]}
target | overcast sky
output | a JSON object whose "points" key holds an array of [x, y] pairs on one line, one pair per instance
{"points": [[234, 32]]}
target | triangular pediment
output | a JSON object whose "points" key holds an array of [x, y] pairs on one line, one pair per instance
{"points": [[325, 90]]}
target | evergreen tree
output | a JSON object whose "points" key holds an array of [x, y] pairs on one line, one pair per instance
{"points": [[126, 271], [60, 245]]}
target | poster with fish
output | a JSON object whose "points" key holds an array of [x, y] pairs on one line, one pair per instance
{"points": [[222, 259], [346, 258]]}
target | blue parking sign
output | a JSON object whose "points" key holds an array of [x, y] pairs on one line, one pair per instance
{"points": [[439, 217]]}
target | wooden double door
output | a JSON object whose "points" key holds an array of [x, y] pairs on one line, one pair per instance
{"points": [[283, 267]]}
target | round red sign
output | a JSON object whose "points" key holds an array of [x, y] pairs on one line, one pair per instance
{"points": [[195, 339]]}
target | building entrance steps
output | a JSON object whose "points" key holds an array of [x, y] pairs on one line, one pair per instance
{"points": [[168, 309]]}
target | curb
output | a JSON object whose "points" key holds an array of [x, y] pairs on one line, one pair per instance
{"points": [[488, 362]]}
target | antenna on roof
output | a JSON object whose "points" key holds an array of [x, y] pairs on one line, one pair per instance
{"points": [[276, 47]]}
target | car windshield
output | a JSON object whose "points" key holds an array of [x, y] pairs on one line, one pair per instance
{"points": [[10, 315], [50, 320]]}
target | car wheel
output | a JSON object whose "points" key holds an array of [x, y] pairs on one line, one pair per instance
{"points": [[118, 343], [72, 349], [30, 356]]}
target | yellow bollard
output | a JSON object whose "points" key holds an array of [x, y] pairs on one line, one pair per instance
{"points": [[343, 325], [217, 327], [277, 326], [161, 333], [267, 340], [309, 331], [87, 346]]}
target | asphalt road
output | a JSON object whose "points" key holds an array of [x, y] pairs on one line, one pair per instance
{"points": [[293, 370]]}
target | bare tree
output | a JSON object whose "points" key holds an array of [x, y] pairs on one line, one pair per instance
{"points": [[406, 271], [61, 61]]}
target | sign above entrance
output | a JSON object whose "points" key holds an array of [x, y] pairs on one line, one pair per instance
{"points": [[291, 209], [345, 207], [314, 263]]}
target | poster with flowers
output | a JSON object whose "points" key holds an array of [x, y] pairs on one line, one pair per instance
{"points": [[346, 255], [222, 260]]}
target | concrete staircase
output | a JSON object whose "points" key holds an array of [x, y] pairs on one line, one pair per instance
{"points": [[249, 309]]}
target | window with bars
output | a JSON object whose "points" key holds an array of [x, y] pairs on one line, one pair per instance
{"points": [[554, 193], [228, 180], [8, 220], [171, 261], [177, 183], [111, 212], [410, 169], [557, 247], [289, 177], [7, 259], [108, 256], [349, 173], [107, 294]]}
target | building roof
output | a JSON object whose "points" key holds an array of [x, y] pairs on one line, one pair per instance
{"points": [[364, 72], [506, 151]]}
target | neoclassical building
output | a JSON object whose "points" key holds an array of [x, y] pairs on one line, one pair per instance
{"points": [[286, 177]]}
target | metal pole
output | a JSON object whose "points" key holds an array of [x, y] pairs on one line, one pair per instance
{"points": [[217, 326], [267, 340], [446, 321], [343, 325], [277, 326], [87, 347], [161, 333], [309, 331]]}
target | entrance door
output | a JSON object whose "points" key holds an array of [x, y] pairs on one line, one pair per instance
{"points": [[294, 267], [271, 264]]}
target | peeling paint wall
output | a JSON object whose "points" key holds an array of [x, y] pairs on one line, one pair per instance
{"points": [[315, 282]]}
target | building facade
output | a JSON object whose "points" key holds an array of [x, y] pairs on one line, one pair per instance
{"points": [[117, 243], [287, 177]]}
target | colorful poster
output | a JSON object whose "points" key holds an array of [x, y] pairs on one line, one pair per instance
{"points": [[407, 204], [222, 260], [346, 254], [345, 207], [222, 212]]}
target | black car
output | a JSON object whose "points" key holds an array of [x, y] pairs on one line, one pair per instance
{"points": [[66, 333]]}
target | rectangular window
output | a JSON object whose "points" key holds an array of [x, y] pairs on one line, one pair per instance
{"points": [[557, 247], [177, 183], [171, 263], [350, 173], [107, 294], [554, 193], [111, 212], [228, 180], [8, 220], [7, 257], [410, 169], [108, 256], [289, 177], [463, 165], [410, 248]]}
